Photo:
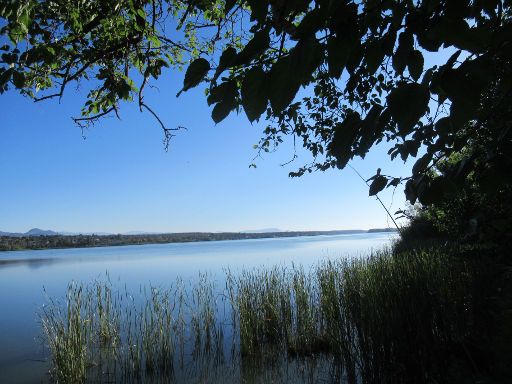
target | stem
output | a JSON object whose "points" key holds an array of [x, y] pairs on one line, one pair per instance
{"points": [[378, 198]]}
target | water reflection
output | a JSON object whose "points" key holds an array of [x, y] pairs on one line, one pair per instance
{"points": [[31, 263]]}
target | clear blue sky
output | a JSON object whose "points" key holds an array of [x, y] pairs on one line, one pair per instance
{"points": [[120, 178]]}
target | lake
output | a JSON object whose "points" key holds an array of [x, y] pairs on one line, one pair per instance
{"points": [[28, 278]]}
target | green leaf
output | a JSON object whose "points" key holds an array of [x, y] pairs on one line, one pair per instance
{"points": [[141, 13], [254, 93], [415, 64], [377, 185], [407, 103], [196, 72], [18, 78]]}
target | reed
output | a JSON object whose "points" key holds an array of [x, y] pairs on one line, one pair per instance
{"points": [[382, 319], [385, 318], [66, 330]]}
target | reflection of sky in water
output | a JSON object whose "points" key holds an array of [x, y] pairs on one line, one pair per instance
{"points": [[23, 274]]}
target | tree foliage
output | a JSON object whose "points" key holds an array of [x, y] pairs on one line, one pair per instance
{"points": [[366, 67], [115, 47]]}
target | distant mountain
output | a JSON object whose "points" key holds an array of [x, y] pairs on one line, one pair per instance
{"points": [[41, 232], [32, 232], [9, 234]]}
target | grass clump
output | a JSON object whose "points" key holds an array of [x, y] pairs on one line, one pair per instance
{"points": [[386, 318], [67, 335]]}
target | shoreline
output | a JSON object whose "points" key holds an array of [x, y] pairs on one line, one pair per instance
{"points": [[26, 243]]}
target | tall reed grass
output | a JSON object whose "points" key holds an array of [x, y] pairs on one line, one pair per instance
{"points": [[385, 318]]}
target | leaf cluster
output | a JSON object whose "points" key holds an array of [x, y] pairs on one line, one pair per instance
{"points": [[366, 66], [338, 77]]}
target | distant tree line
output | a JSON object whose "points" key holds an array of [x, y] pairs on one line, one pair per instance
{"points": [[11, 243]]}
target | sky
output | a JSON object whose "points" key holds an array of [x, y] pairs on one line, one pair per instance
{"points": [[119, 178]]}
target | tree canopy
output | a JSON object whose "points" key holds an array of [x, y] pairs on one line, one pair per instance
{"points": [[365, 66]]}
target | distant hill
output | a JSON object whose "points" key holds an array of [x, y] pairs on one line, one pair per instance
{"points": [[41, 232], [32, 232]]}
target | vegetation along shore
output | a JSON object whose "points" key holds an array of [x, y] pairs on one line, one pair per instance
{"points": [[15, 243]]}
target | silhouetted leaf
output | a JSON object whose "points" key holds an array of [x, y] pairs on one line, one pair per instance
{"points": [[258, 44], [228, 6], [355, 57], [226, 90], [394, 182], [310, 24], [408, 103], [410, 192], [258, 9], [227, 59], [196, 72], [306, 57], [18, 79], [415, 64], [377, 185], [444, 126], [401, 56], [421, 164], [439, 188], [222, 110], [374, 56], [254, 93], [283, 85], [5, 76], [343, 139], [338, 52]]}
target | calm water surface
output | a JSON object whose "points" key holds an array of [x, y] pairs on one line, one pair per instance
{"points": [[26, 275]]}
